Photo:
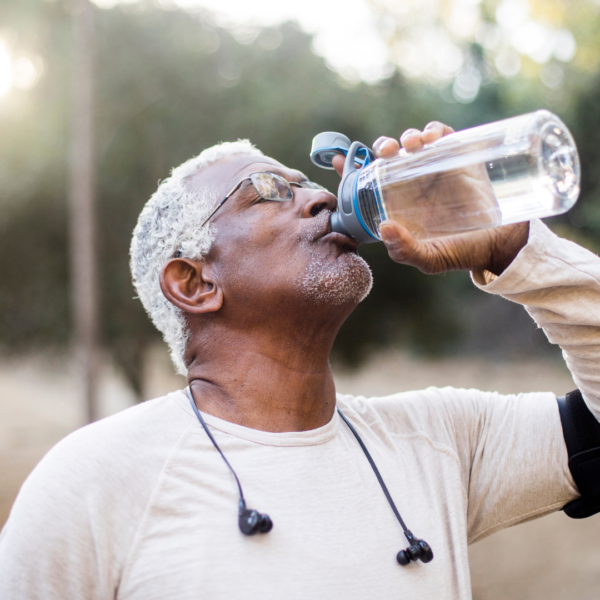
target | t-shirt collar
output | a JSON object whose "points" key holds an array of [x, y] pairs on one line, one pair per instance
{"points": [[313, 437]]}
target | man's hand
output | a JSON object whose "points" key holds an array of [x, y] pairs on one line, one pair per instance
{"points": [[489, 249]]}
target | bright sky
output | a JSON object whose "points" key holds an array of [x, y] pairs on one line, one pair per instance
{"points": [[344, 30]]}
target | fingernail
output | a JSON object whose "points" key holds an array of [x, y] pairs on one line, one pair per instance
{"points": [[389, 234], [434, 128], [408, 133], [380, 143]]}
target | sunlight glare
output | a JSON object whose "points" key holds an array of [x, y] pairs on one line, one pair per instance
{"points": [[6, 75], [107, 4], [345, 32], [26, 73]]}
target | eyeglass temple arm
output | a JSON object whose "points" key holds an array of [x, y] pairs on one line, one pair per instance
{"points": [[233, 191]]}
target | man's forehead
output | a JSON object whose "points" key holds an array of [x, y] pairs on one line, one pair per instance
{"points": [[225, 173]]}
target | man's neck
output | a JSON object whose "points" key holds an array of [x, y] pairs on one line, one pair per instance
{"points": [[265, 381]]}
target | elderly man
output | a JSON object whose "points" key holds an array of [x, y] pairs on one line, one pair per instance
{"points": [[249, 294]]}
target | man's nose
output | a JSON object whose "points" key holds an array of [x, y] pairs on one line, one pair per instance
{"points": [[316, 202]]}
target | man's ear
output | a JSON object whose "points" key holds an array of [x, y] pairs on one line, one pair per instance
{"points": [[190, 285]]}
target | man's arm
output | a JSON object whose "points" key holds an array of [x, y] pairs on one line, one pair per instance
{"points": [[511, 448], [558, 282]]}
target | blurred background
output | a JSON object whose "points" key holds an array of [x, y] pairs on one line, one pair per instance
{"points": [[99, 101]]}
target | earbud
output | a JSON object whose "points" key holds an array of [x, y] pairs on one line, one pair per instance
{"points": [[418, 550], [252, 522]]}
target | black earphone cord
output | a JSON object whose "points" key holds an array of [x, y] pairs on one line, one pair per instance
{"points": [[252, 521], [409, 536], [212, 439]]}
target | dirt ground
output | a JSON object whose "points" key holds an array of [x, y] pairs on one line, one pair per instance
{"points": [[554, 558]]}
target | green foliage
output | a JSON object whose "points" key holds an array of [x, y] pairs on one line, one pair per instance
{"points": [[586, 127], [170, 84]]}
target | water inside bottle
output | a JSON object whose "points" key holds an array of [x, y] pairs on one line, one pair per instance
{"points": [[479, 186]]}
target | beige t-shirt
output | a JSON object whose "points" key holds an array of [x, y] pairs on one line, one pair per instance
{"points": [[140, 506]]}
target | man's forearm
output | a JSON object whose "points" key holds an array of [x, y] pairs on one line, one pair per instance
{"points": [[558, 282]]}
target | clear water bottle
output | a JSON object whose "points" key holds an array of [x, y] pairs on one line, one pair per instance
{"points": [[505, 172]]}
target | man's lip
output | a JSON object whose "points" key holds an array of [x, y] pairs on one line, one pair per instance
{"points": [[340, 239]]}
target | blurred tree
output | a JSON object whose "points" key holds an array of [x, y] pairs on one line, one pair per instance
{"points": [[584, 219], [468, 44], [33, 254]]}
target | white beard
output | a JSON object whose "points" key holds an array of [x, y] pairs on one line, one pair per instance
{"points": [[347, 280]]}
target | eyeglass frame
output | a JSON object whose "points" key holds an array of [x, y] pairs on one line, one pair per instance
{"points": [[239, 183]]}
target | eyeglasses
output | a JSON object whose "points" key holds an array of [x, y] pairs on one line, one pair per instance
{"points": [[268, 186]]}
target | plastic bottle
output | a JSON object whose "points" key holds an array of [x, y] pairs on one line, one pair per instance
{"points": [[505, 172]]}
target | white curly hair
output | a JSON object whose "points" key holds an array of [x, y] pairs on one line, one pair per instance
{"points": [[170, 222]]}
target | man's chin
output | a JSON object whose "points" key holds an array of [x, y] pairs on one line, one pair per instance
{"points": [[346, 280]]}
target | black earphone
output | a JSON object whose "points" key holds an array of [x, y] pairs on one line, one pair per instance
{"points": [[250, 521], [418, 549]]}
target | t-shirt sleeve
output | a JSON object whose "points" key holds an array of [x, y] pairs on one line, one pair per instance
{"points": [[74, 521], [53, 545], [513, 456], [558, 283], [510, 451]]}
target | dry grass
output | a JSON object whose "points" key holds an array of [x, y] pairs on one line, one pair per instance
{"points": [[554, 558]]}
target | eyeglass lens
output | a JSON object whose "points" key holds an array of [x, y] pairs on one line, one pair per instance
{"points": [[271, 187], [311, 185]]}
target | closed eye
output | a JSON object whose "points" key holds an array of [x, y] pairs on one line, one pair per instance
{"points": [[249, 196], [309, 185]]}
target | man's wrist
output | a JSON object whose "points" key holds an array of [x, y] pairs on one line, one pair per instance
{"points": [[507, 247]]}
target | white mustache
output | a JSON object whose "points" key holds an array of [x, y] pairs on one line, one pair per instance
{"points": [[318, 227]]}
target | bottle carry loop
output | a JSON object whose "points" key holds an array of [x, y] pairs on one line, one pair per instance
{"points": [[581, 431]]}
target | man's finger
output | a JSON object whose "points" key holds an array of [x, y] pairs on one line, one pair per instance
{"points": [[401, 245], [411, 140], [434, 131], [385, 147], [338, 163]]}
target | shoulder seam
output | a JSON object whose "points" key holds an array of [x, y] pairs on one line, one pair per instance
{"points": [[138, 532], [444, 449], [437, 446]]}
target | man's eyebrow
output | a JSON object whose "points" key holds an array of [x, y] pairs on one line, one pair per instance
{"points": [[301, 177]]}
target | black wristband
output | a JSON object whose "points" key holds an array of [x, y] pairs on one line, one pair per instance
{"points": [[581, 431]]}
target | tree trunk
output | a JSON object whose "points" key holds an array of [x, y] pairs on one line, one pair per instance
{"points": [[84, 288]]}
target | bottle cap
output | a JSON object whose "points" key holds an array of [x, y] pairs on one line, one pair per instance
{"points": [[326, 145]]}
